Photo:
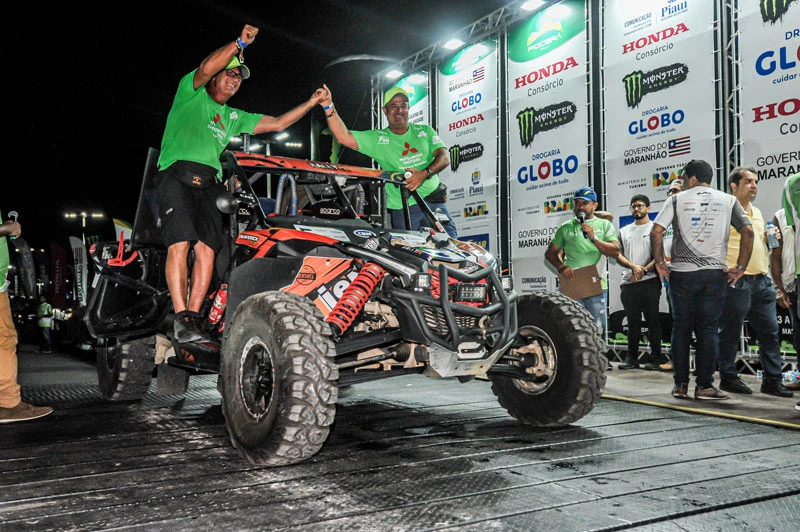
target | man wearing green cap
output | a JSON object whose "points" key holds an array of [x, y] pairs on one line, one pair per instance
{"points": [[402, 147], [199, 126]]}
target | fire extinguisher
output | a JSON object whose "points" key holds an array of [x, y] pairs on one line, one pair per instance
{"points": [[218, 307]]}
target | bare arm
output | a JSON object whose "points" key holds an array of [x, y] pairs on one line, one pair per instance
{"points": [[219, 58], [609, 249], [745, 250], [638, 271], [441, 160], [335, 123], [269, 123], [776, 268], [657, 246], [554, 257]]}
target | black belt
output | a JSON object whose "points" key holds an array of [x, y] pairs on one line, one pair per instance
{"points": [[755, 277]]}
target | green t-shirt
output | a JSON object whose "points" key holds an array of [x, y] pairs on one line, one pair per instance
{"points": [[791, 206], [198, 128], [45, 315], [395, 153], [3, 257], [579, 251]]}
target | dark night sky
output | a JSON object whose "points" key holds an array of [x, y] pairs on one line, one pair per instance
{"points": [[90, 89]]}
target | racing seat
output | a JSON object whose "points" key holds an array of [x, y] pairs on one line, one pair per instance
{"points": [[147, 224]]}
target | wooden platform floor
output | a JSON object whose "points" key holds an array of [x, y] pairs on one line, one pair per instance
{"points": [[405, 454]]}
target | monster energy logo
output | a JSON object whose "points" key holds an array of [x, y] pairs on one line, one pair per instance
{"points": [[773, 10], [638, 83], [463, 154], [531, 121]]}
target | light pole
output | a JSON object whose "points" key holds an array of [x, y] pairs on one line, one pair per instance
{"points": [[83, 215]]}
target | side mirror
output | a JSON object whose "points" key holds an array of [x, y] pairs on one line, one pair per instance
{"points": [[226, 204]]}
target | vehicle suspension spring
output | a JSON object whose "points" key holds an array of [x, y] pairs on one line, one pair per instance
{"points": [[355, 297]]}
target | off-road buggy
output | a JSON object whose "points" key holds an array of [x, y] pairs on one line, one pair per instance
{"points": [[321, 294]]}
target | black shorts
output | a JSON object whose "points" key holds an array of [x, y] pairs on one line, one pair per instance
{"points": [[189, 214]]}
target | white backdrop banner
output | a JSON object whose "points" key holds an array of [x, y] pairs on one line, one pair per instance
{"points": [[769, 44], [659, 95], [467, 118], [548, 120]]}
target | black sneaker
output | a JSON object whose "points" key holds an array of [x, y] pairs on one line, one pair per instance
{"points": [[630, 363], [774, 386], [734, 385], [654, 364], [186, 328]]}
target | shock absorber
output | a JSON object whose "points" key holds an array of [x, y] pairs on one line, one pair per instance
{"points": [[354, 298]]}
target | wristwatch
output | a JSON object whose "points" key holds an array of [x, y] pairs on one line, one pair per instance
{"points": [[740, 267], [594, 239], [429, 173]]}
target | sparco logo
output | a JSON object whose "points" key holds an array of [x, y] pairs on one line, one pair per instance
{"points": [[639, 83], [773, 10], [654, 38], [545, 72], [463, 154], [323, 165], [468, 121], [532, 121]]}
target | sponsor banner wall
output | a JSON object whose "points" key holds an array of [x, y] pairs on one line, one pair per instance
{"points": [[548, 134], [769, 99], [416, 85], [467, 121], [659, 101]]}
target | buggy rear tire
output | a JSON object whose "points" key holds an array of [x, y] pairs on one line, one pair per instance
{"points": [[568, 375], [125, 369], [278, 377]]}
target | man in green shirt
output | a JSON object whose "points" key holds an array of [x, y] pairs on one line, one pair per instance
{"points": [[199, 126], [45, 323], [402, 147], [791, 207], [584, 240], [12, 408]]}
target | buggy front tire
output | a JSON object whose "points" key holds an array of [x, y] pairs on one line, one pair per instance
{"points": [[278, 377], [565, 364]]}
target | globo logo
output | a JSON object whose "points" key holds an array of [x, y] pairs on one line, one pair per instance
{"points": [[656, 122], [466, 102], [767, 63], [545, 169]]}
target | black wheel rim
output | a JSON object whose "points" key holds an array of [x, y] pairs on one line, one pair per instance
{"points": [[256, 378]]}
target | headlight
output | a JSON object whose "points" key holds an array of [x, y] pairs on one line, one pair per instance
{"points": [[507, 282], [469, 293]]}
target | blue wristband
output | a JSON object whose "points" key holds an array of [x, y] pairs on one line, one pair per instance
{"points": [[326, 107], [240, 43]]}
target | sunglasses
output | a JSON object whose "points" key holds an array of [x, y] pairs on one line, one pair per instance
{"points": [[233, 74]]}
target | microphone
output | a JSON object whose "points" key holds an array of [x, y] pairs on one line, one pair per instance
{"points": [[582, 220]]}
